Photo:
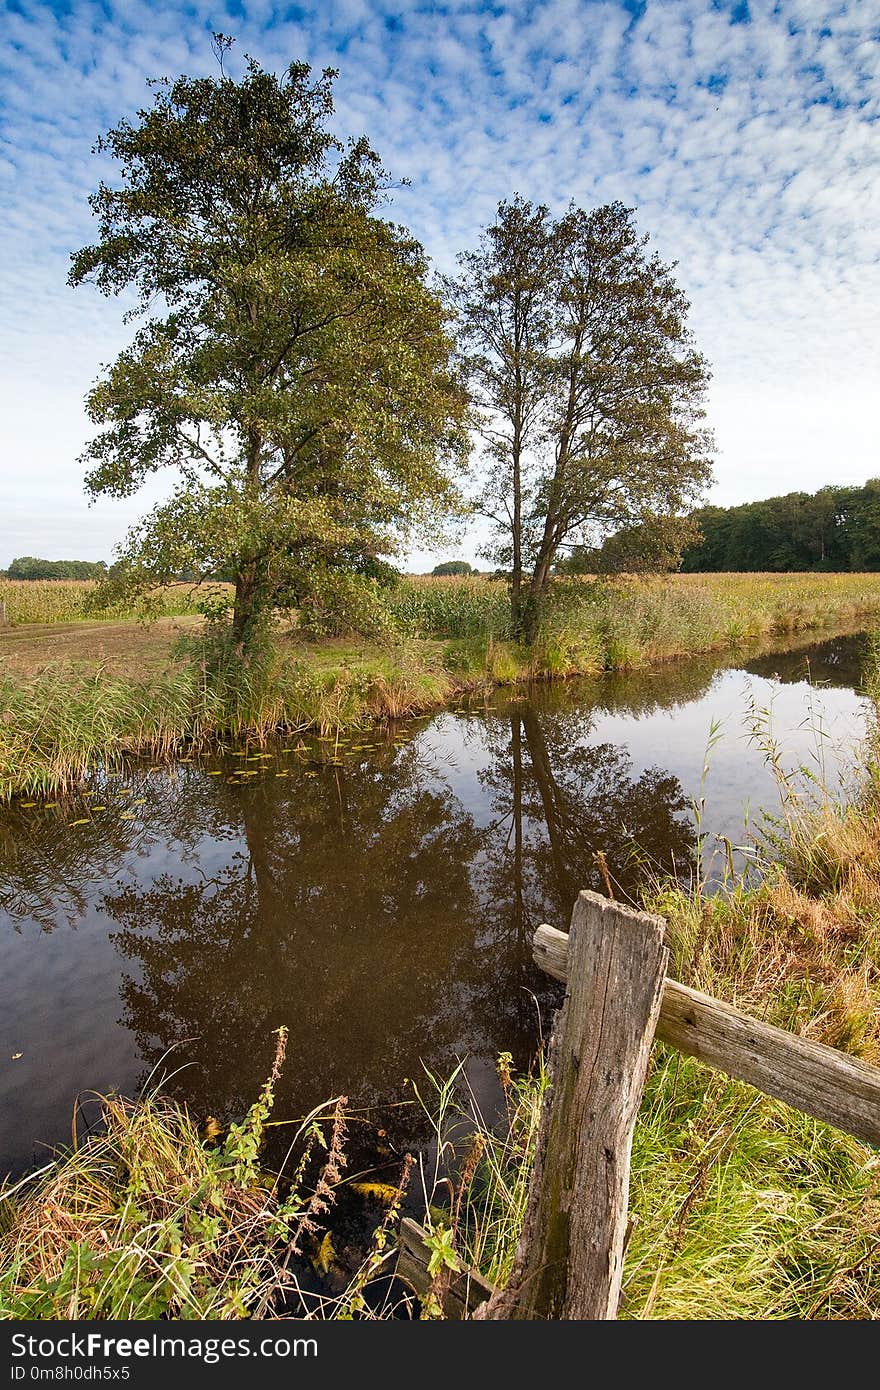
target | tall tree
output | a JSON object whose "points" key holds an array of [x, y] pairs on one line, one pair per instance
{"points": [[505, 309], [292, 366], [590, 385], [836, 528]]}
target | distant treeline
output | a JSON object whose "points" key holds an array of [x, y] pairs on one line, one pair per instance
{"points": [[29, 567], [836, 528]]}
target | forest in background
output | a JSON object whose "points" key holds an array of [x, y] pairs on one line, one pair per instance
{"points": [[836, 528]]}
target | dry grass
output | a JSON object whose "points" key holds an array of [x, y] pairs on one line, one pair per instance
{"points": [[122, 648], [145, 1220]]}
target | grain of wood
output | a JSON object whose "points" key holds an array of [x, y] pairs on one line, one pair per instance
{"points": [[570, 1255], [460, 1294], [818, 1080]]}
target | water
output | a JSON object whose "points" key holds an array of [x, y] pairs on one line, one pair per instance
{"points": [[377, 900]]}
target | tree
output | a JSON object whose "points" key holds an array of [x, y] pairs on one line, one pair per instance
{"points": [[29, 567], [836, 528], [650, 547], [505, 317], [580, 357], [292, 364], [452, 567]]}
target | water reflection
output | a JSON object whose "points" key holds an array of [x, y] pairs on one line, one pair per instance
{"points": [[379, 900]]}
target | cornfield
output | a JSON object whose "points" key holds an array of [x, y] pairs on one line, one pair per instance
{"points": [[65, 601]]}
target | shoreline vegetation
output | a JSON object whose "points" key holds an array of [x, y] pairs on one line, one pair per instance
{"points": [[741, 1207], [424, 643], [744, 1208]]}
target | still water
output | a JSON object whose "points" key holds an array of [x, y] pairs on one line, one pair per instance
{"points": [[377, 896]]}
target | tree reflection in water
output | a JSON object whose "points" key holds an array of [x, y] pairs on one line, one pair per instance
{"points": [[367, 910], [383, 909]]}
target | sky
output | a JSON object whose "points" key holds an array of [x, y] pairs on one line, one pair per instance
{"points": [[746, 134]]}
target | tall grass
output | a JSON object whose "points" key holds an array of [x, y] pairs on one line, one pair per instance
{"points": [[456, 608], [447, 637], [54, 727], [67, 601], [143, 1220], [623, 622], [146, 1219]]}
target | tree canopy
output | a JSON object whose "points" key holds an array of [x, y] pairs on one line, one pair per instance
{"points": [[292, 367], [590, 388], [650, 547], [836, 528], [29, 567], [452, 567]]}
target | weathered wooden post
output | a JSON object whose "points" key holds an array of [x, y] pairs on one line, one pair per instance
{"points": [[841, 1090], [2, 613], [570, 1255]]}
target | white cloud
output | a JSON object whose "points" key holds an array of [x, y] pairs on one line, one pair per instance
{"points": [[750, 150]]}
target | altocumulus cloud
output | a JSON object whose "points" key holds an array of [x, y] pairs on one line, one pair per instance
{"points": [[746, 134]]}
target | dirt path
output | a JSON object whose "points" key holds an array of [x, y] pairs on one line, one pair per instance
{"points": [[123, 648]]}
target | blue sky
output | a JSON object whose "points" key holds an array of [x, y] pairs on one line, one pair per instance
{"points": [[746, 134]]}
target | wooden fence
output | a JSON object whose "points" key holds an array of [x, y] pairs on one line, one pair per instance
{"points": [[569, 1260]]}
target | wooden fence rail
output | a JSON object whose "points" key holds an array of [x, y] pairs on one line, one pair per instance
{"points": [[569, 1259], [807, 1075]]}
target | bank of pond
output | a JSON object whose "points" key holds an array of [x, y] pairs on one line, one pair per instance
{"points": [[373, 895]]}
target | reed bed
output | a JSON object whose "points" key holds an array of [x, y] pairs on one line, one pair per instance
{"points": [[55, 727], [620, 622], [446, 637]]}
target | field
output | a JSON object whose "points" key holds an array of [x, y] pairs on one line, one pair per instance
{"points": [[73, 693], [66, 601]]}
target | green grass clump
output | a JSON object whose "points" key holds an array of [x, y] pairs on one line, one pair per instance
{"points": [[745, 1208], [145, 1221]]}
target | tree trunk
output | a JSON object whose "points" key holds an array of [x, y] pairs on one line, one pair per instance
{"points": [[243, 613], [543, 564], [516, 558]]}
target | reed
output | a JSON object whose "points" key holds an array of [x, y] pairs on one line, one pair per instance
{"points": [[449, 638], [615, 623]]}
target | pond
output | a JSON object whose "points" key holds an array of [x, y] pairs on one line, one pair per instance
{"points": [[378, 895]]}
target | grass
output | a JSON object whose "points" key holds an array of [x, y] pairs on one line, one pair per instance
{"points": [[624, 622], [149, 1219], [71, 695], [744, 1208]]}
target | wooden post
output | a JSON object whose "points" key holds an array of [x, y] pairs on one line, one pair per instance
{"points": [[570, 1255], [2, 613], [460, 1294], [833, 1086]]}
